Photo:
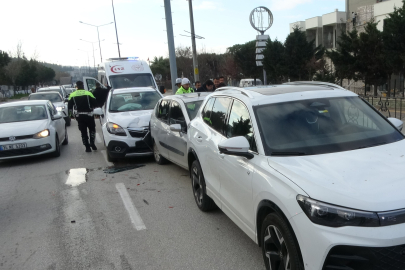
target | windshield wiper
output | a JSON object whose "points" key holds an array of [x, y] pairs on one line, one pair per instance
{"points": [[288, 154], [371, 145]]}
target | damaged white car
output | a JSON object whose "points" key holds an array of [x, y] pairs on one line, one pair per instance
{"points": [[125, 121]]}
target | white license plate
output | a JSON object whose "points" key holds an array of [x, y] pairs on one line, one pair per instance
{"points": [[13, 146]]}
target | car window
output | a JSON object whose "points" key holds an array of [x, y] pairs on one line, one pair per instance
{"points": [[219, 112], [319, 126], [177, 116], [134, 101], [163, 110], [239, 124], [22, 113], [91, 84], [206, 113], [192, 108], [44, 96]]}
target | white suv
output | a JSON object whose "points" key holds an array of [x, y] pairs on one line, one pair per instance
{"points": [[125, 121], [312, 173]]}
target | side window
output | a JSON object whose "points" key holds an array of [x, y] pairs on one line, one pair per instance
{"points": [[219, 111], [177, 116], [206, 113], [91, 84], [163, 111], [239, 124]]}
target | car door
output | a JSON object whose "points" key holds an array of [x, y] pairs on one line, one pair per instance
{"points": [[177, 141], [90, 83], [161, 127], [57, 124], [237, 172]]}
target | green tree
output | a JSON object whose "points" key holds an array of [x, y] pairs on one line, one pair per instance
{"points": [[274, 61], [4, 60], [161, 66], [245, 57]]}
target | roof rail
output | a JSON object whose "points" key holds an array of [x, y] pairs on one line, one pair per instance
{"points": [[315, 83], [235, 88]]}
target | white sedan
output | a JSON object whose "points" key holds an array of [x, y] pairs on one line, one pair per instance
{"points": [[31, 128], [57, 100]]}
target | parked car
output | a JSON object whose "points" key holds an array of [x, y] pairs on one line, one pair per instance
{"points": [[249, 82], [31, 128], [57, 101], [169, 124], [69, 90], [59, 89], [125, 121], [312, 173]]}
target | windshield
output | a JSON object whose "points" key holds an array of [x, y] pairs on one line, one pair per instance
{"points": [[132, 80], [22, 113], [319, 126], [50, 97], [134, 101], [192, 108]]}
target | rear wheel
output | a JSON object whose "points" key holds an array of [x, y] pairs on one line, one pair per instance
{"points": [[204, 202], [279, 247], [56, 153], [66, 140], [158, 157]]}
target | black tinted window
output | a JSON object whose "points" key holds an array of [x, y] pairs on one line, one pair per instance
{"points": [[219, 113], [239, 124], [163, 110], [206, 113], [176, 115]]}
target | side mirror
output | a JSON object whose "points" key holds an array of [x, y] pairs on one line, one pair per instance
{"points": [[98, 111], [236, 146], [175, 127], [57, 116], [396, 122], [66, 99]]}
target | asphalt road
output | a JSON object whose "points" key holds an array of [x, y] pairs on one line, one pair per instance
{"points": [[144, 218]]}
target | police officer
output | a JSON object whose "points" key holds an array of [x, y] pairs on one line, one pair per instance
{"points": [[185, 87], [82, 102]]}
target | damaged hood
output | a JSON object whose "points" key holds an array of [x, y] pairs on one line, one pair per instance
{"points": [[132, 119]]}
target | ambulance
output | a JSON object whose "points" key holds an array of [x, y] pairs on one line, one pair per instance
{"points": [[124, 72]]}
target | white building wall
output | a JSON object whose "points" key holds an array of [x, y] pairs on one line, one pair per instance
{"points": [[382, 9], [300, 24]]}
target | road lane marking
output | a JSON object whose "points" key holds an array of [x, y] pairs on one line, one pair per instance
{"points": [[132, 211], [98, 139], [104, 153]]}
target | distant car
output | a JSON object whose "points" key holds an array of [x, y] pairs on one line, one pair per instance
{"points": [[249, 82], [169, 124], [125, 121], [70, 90], [57, 100], [59, 89], [31, 128]]}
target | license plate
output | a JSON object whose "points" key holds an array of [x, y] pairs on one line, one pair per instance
{"points": [[13, 146]]}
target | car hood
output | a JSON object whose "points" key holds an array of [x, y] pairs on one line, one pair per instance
{"points": [[22, 128], [371, 179], [131, 119]]}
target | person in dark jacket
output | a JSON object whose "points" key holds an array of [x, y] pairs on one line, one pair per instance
{"points": [[100, 94], [208, 86], [80, 105]]}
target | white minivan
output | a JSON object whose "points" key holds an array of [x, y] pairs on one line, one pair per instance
{"points": [[249, 82]]}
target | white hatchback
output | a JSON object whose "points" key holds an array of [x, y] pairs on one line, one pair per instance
{"points": [[312, 173], [125, 121], [30, 128]]}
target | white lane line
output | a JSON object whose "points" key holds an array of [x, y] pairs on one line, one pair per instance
{"points": [[104, 153], [132, 211], [98, 139]]}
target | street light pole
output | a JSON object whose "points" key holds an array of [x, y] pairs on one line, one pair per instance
{"points": [[92, 44], [195, 60], [98, 35], [116, 32], [170, 43]]}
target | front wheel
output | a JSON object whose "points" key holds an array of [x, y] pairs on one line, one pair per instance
{"points": [[110, 158], [56, 153], [66, 140], [204, 202], [279, 247]]}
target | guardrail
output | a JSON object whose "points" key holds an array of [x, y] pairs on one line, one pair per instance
{"points": [[389, 107]]}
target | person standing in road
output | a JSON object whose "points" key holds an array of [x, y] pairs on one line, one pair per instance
{"points": [[197, 85], [82, 102], [178, 84], [185, 87], [216, 83], [208, 86], [100, 94], [222, 80]]}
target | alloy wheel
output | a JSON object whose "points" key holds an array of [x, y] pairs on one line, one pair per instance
{"points": [[275, 249], [197, 187], [156, 152]]}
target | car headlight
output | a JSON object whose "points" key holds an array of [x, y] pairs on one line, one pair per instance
{"points": [[59, 109], [336, 216], [115, 129], [42, 134]]}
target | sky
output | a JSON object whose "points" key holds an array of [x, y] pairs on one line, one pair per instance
{"points": [[50, 30]]}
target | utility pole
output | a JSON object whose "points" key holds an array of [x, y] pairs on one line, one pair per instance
{"points": [[116, 32], [170, 43], [195, 60]]}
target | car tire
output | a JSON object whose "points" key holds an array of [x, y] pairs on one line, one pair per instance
{"points": [[203, 201], [279, 246], [110, 158], [68, 120], [66, 140], [56, 153], [158, 157]]}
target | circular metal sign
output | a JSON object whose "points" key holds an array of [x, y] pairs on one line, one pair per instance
{"points": [[158, 77], [261, 19]]}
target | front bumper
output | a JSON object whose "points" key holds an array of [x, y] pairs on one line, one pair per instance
{"points": [[351, 248], [34, 147]]}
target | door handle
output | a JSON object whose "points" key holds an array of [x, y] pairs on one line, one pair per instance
{"points": [[199, 139]]}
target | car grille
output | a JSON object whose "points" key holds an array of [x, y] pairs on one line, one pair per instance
{"points": [[6, 139], [138, 133], [365, 258], [24, 151]]}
